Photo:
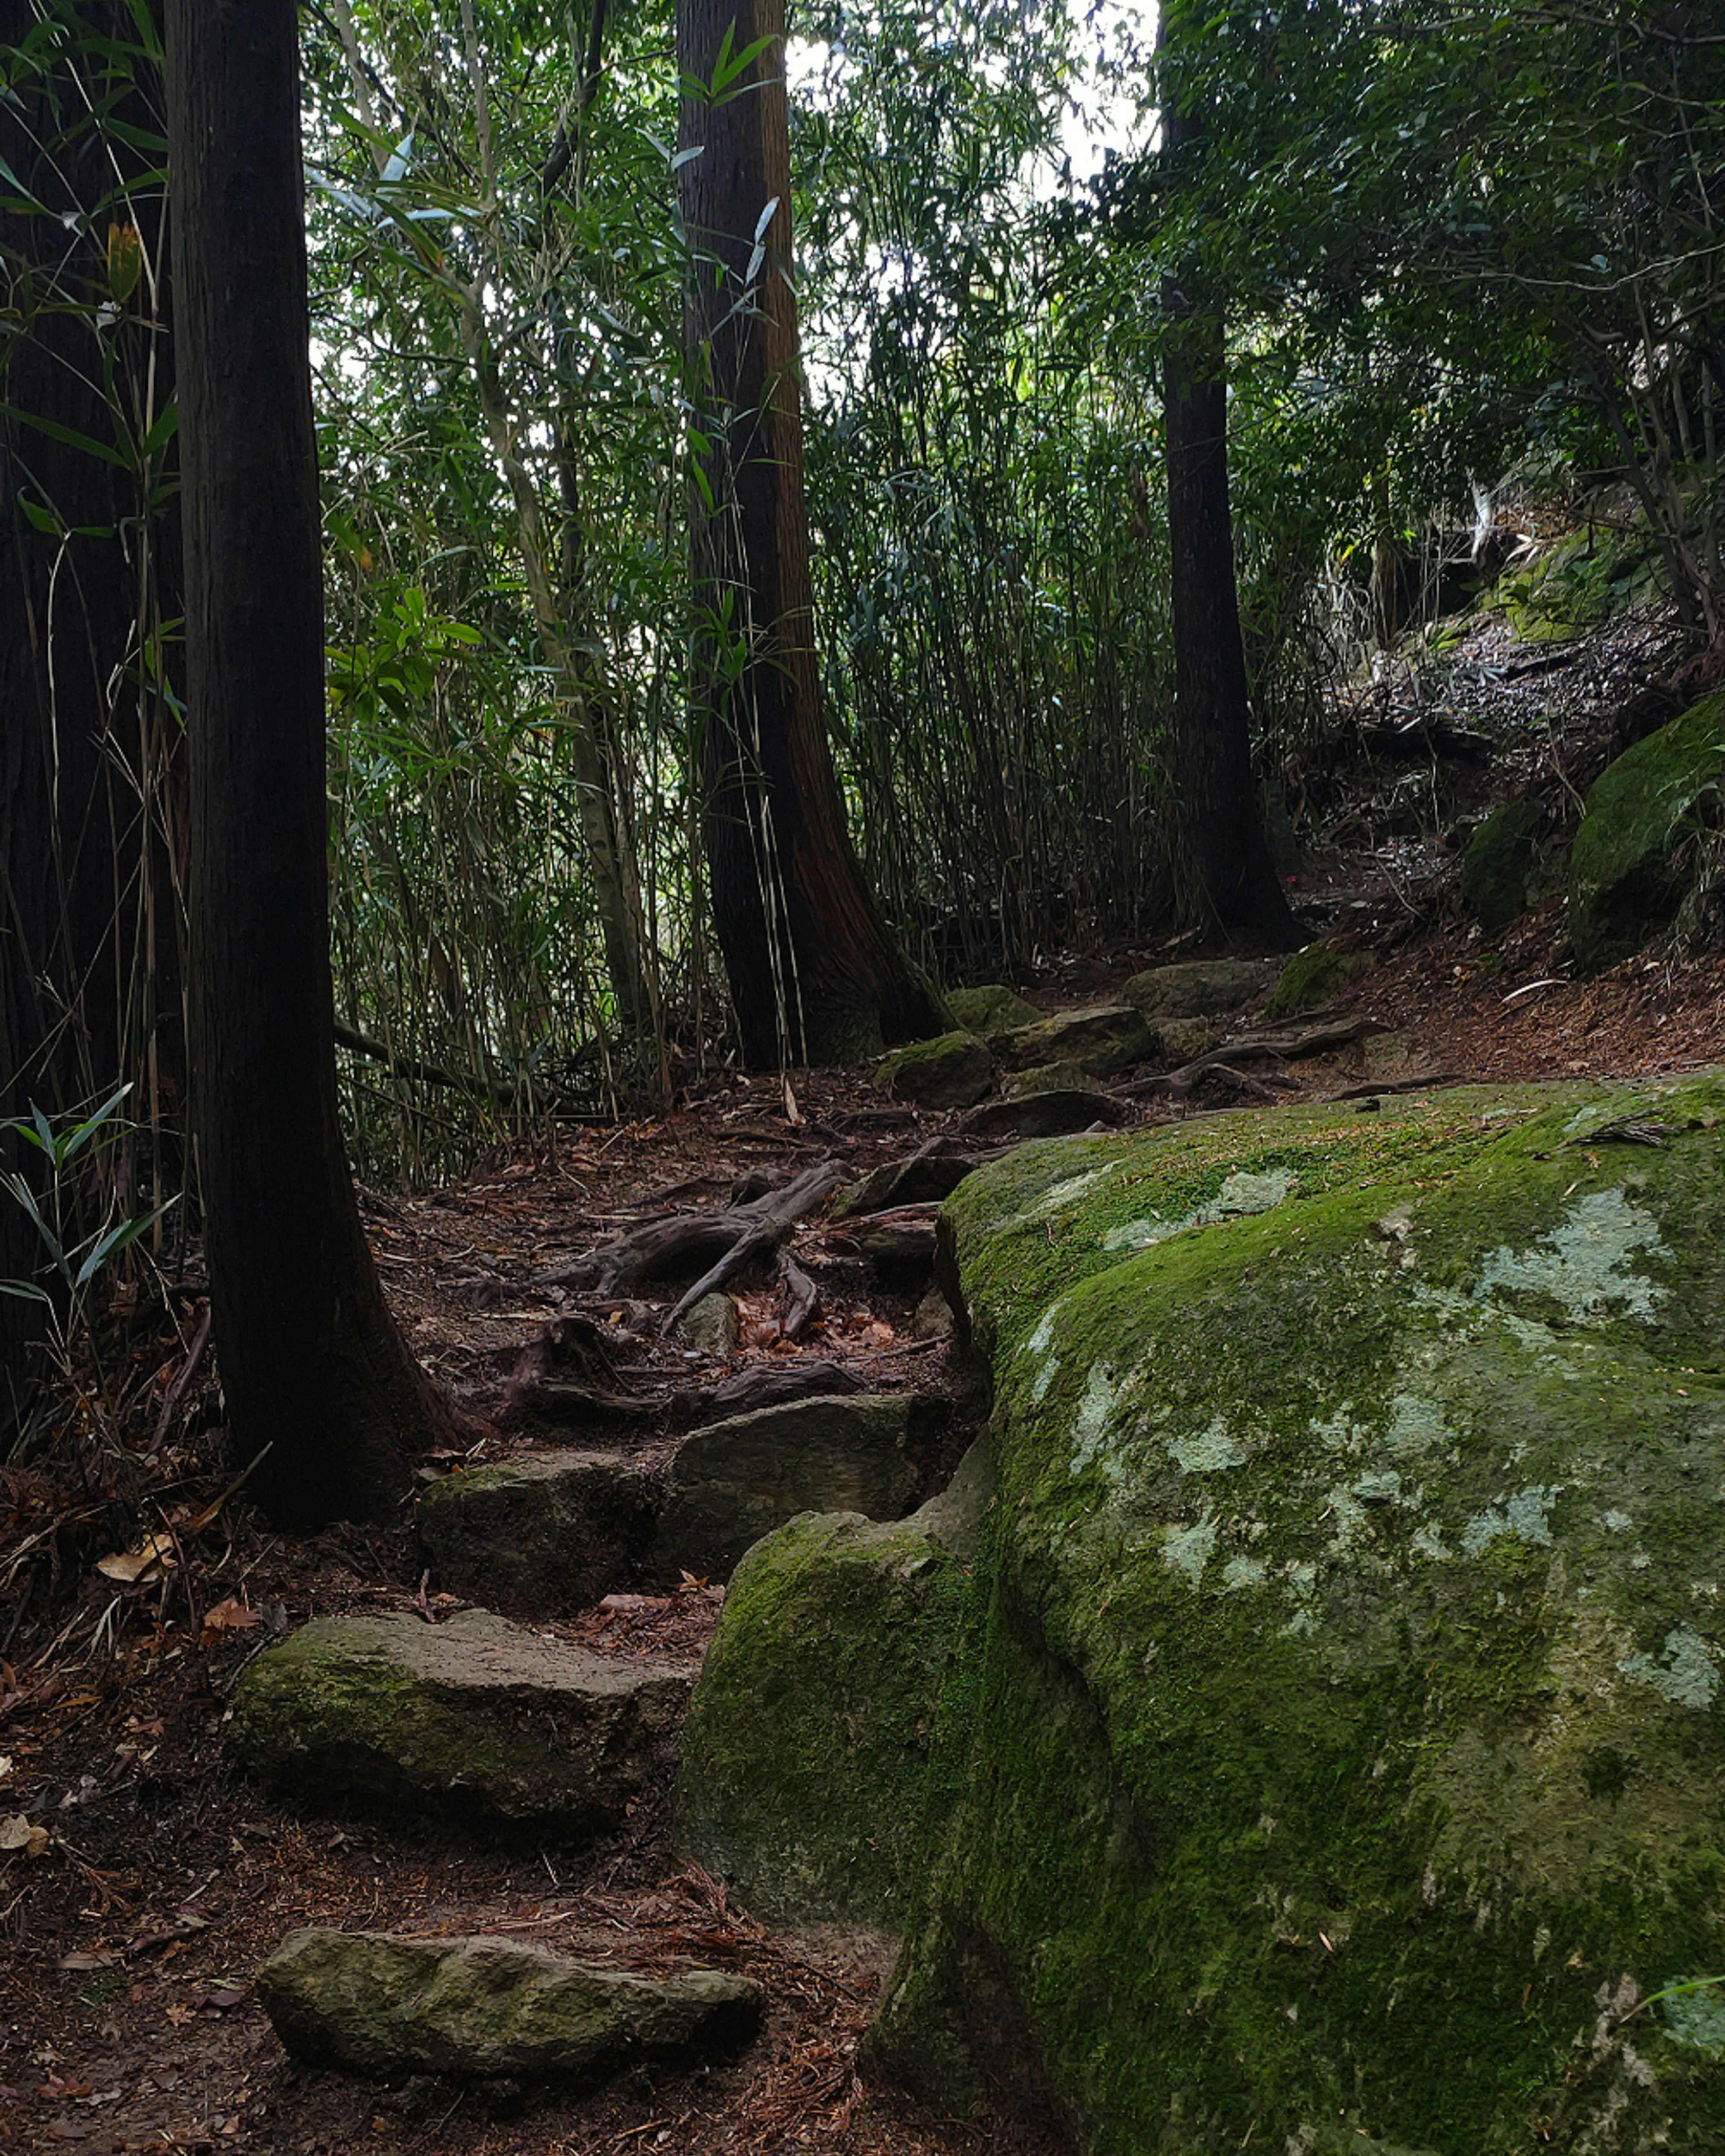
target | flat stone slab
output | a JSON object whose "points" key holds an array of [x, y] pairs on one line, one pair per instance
{"points": [[384, 2004], [541, 1536], [1101, 1039], [736, 1480], [1201, 987], [474, 1716]]}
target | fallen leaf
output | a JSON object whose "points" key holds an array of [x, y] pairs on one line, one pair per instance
{"points": [[154, 1553], [228, 1616], [178, 2015], [91, 1960], [16, 1832]]}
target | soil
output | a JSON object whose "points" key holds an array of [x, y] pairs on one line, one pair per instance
{"points": [[133, 1925]]}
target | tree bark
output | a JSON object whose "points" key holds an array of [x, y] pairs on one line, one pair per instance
{"points": [[89, 782], [312, 1364], [1227, 884], [814, 975]]}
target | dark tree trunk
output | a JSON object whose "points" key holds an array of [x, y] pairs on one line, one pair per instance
{"points": [[813, 976], [1227, 884], [312, 1363], [90, 781]]}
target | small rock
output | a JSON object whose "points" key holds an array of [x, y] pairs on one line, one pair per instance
{"points": [[541, 1536], [900, 1248], [735, 1482], [933, 1172], [712, 1326], [1499, 864], [1182, 1040], [1101, 1039], [474, 1717], [994, 1008], [1200, 988], [950, 1071], [485, 2007], [1314, 977], [934, 1319]]}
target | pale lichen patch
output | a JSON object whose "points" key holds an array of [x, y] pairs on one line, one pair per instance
{"points": [[1688, 1674], [1583, 1263], [1523, 1515], [1189, 1550], [1211, 1451]]}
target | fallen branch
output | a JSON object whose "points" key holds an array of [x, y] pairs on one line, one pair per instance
{"points": [[427, 1074]]}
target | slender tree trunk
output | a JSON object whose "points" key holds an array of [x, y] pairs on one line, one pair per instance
{"points": [[312, 1364], [813, 976], [90, 984], [1228, 883]]}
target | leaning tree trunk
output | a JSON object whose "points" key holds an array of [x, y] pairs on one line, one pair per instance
{"points": [[1228, 883], [89, 987], [813, 976], [312, 1364]]}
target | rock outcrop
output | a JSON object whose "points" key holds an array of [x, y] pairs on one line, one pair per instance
{"points": [[1630, 867], [1327, 1747], [382, 2003]]}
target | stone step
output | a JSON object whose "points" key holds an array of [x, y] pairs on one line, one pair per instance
{"points": [[735, 1482], [543, 1535], [475, 1718], [383, 2003]]}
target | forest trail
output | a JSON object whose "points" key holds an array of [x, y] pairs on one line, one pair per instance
{"points": [[167, 1875]]}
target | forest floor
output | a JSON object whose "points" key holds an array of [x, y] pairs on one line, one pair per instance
{"points": [[151, 1877]]}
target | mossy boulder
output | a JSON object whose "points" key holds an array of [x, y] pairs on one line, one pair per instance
{"points": [[485, 2007], [804, 1781], [953, 1070], [1200, 988], [995, 1008], [1334, 1753], [474, 1717], [1585, 578], [1499, 865], [1628, 866], [1314, 977], [1102, 1038]]}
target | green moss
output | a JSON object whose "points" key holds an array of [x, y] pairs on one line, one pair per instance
{"points": [[803, 1777], [1626, 877], [994, 1008], [1499, 864], [1313, 978], [1584, 579], [1342, 1752]]}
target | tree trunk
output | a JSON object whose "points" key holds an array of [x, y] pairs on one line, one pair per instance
{"points": [[1227, 884], [312, 1364], [813, 976], [90, 782]]}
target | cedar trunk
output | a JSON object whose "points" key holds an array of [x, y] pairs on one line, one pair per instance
{"points": [[813, 976], [90, 985], [1228, 883], [312, 1364]]}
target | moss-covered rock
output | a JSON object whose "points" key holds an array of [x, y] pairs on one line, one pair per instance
{"points": [[475, 1718], [1314, 977], [384, 2004], [1182, 1040], [1200, 988], [1047, 1078], [994, 1008], [1499, 864], [1585, 578], [953, 1070], [1338, 1759], [1103, 1038], [804, 1781], [1627, 866]]}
